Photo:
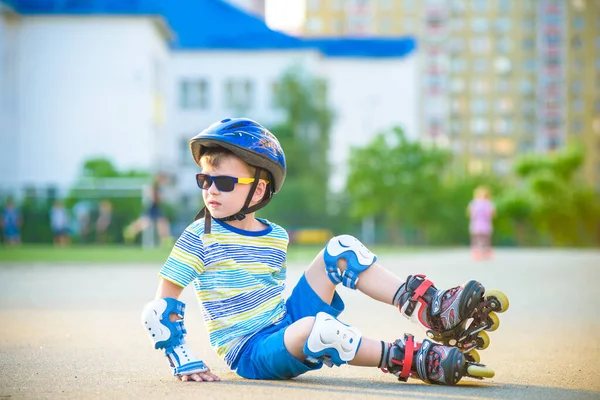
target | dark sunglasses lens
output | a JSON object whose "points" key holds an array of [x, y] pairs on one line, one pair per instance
{"points": [[224, 183], [203, 181]]}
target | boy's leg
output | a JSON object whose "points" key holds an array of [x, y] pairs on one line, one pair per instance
{"points": [[376, 281], [324, 339], [443, 313]]}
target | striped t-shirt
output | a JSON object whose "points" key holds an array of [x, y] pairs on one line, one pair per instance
{"points": [[239, 277]]}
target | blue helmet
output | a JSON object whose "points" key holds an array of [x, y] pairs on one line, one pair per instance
{"points": [[247, 139]]}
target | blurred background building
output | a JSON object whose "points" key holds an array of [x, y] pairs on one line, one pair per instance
{"points": [[135, 80], [497, 77]]}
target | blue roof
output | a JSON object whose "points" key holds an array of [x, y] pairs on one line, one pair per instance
{"points": [[87, 7], [217, 25], [364, 47]]}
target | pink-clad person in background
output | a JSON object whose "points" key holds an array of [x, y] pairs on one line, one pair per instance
{"points": [[481, 212]]}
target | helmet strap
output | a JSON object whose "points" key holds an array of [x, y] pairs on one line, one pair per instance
{"points": [[240, 215]]}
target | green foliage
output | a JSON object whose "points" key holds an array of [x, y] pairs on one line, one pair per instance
{"points": [[553, 200], [396, 180], [304, 136]]}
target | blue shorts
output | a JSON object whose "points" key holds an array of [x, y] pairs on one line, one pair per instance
{"points": [[265, 355]]}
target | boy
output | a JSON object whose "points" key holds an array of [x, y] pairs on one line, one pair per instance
{"points": [[238, 266]]}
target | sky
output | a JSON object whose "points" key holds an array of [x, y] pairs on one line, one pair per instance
{"points": [[284, 15]]}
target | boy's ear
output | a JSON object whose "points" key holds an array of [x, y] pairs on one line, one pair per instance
{"points": [[259, 192]]}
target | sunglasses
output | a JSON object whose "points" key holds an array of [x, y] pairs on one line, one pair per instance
{"points": [[224, 183]]}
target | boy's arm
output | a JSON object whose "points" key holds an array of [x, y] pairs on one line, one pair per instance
{"points": [[163, 317], [168, 289], [167, 332]]}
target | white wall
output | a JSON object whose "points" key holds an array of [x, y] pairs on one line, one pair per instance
{"points": [[263, 68], [369, 95], [9, 25], [86, 87]]}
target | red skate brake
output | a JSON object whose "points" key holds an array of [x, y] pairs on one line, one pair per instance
{"points": [[422, 289], [409, 349]]}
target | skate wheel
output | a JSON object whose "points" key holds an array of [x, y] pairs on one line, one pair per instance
{"points": [[480, 371], [495, 322], [483, 340], [497, 300], [473, 355]]}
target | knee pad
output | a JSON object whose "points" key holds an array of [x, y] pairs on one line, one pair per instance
{"points": [[169, 335], [331, 341], [358, 257]]}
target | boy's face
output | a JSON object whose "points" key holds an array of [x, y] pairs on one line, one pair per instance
{"points": [[223, 204]]}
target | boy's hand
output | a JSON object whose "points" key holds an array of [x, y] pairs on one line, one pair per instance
{"points": [[206, 376]]}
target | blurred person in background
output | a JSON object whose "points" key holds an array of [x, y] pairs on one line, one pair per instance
{"points": [[104, 221], [82, 223], [59, 222], [11, 223], [154, 215], [481, 212]]}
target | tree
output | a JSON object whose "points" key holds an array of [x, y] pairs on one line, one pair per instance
{"points": [[562, 206], [304, 135], [396, 180]]}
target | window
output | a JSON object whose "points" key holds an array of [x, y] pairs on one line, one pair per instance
{"points": [[193, 94], [529, 65], [408, 4], [184, 151], [239, 94], [274, 94], [526, 87], [578, 105], [504, 146], [457, 64], [314, 5], [457, 85], [576, 87], [337, 25], [504, 45], [456, 127], [479, 25], [480, 5], [386, 24], [337, 5], [503, 86], [457, 24], [528, 108], [528, 44], [503, 25], [525, 146], [479, 106], [502, 166], [578, 22], [528, 25], [576, 127], [504, 6], [480, 45], [502, 126], [479, 126], [386, 4], [314, 24], [458, 106], [480, 65], [505, 105], [480, 86]]}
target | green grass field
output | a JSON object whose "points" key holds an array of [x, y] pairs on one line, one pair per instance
{"points": [[134, 254]]}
